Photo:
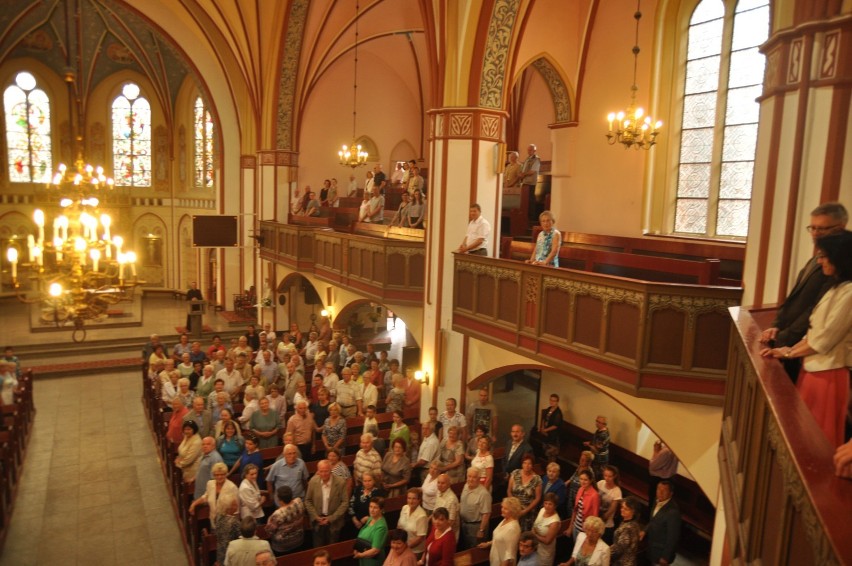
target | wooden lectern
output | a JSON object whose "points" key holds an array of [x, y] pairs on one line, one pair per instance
{"points": [[195, 310]]}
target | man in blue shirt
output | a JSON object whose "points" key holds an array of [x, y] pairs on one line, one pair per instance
{"points": [[209, 457], [290, 471]]}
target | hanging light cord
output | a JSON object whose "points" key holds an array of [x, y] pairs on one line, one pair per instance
{"points": [[355, 79], [637, 16]]}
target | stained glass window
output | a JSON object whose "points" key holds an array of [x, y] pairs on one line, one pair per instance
{"points": [[719, 122], [131, 138], [203, 128], [27, 131]]}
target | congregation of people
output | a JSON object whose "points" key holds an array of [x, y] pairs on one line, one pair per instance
{"points": [[295, 390], [407, 179]]}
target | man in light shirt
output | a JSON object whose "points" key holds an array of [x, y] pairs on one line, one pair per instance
{"points": [[447, 499], [429, 447], [478, 230]]}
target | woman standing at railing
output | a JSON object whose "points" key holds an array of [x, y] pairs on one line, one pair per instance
{"points": [[827, 347], [547, 244]]}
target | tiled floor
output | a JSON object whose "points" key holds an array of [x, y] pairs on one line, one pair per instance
{"points": [[92, 490]]}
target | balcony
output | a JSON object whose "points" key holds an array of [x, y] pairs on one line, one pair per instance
{"points": [[783, 503], [656, 340], [383, 266]]}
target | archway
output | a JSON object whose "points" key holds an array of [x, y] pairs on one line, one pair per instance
{"points": [[632, 434], [299, 301], [375, 325]]}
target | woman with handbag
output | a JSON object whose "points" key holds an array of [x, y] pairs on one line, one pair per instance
{"points": [[370, 544]]}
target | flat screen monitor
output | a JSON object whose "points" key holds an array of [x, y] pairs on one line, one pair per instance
{"points": [[214, 231]]}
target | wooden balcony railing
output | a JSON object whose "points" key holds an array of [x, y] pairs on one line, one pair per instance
{"points": [[384, 269], [659, 340], [783, 503]]}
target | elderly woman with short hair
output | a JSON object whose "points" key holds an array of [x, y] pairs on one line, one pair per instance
{"points": [[184, 393], [589, 548], [223, 498], [504, 540]]}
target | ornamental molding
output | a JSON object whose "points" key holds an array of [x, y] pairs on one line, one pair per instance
{"points": [[367, 247], [692, 306], [531, 289], [830, 55], [407, 252], [496, 57], [558, 90], [289, 68], [602, 292], [491, 271], [795, 490]]}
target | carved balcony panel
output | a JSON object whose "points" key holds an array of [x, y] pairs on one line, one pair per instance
{"points": [[637, 336], [783, 503], [383, 269]]}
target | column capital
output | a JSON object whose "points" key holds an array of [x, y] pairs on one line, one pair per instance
{"points": [[468, 123], [278, 157]]}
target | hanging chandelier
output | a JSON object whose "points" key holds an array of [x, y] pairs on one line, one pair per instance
{"points": [[631, 127], [83, 269], [76, 275], [353, 155]]}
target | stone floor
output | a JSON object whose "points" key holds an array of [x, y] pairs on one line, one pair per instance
{"points": [[92, 490]]}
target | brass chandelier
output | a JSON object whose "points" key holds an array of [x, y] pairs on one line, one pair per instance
{"points": [[631, 127], [83, 269], [353, 155], [79, 273]]}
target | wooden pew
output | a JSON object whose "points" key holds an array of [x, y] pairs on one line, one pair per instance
{"points": [[634, 266]]}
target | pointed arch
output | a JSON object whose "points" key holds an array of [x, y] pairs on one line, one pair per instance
{"points": [[562, 92]]}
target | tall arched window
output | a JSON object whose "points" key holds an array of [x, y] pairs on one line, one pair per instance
{"points": [[131, 138], [203, 128], [27, 131], [724, 74]]}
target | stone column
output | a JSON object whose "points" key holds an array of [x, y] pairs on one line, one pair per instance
{"points": [[465, 165]]}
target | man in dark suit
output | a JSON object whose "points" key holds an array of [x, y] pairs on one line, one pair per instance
{"points": [[327, 503], [663, 530], [192, 294], [516, 450], [791, 320]]}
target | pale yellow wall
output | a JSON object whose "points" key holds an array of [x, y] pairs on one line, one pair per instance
{"points": [[537, 114], [388, 112], [603, 194]]}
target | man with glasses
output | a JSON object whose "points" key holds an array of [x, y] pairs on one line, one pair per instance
{"points": [[791, 320], [527, 546]]}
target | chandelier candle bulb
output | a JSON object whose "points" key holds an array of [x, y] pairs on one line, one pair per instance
{"points": [[57, 245], [30, 246], [96, 257], [38, 257], [12, 256], [38, 216], [118, 241], [106, 221], [131, 259]]}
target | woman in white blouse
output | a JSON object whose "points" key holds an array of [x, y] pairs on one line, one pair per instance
{"points": [[251, 498]]}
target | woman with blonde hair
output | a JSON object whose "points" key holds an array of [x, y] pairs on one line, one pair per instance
{"points": [[223, 497], [547, 243], [589, 548], [504, 540]]}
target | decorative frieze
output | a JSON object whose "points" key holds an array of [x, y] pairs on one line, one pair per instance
{"points": [[490, 270]]}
